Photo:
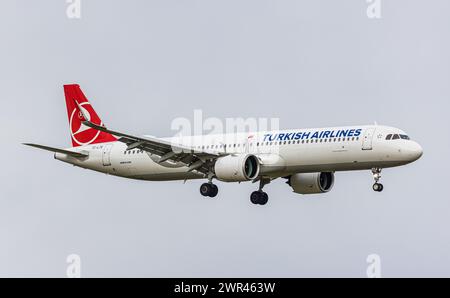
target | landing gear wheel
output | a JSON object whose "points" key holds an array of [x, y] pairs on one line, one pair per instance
{"points": [[205, 189], [259, 198], [214, 191], [209, 190], [264, 198], [254, 197], [378, 187]]}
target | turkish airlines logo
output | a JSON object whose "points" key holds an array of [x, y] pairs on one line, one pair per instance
{"points": [[82, 134]]}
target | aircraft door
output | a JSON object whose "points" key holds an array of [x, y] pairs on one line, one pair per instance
{"points": [[249, 144], [368, 139], [106, 155]]}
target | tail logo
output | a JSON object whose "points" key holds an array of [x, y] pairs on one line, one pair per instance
{"points": [[82, 134]]}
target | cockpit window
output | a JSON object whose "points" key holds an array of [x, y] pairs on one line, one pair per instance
{"points": [[389, 137], [404, 137], [396, 137]]}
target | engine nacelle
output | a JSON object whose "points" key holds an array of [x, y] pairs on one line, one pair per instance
{"points": [[237, 168], [311, 183]]}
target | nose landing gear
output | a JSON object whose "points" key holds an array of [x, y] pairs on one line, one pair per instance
{"points": [[378, 187]]}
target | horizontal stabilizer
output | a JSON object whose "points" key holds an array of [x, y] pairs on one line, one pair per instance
{"points": [[51, 149]]}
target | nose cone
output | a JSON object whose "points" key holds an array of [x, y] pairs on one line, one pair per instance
{"points": [[415, 151]]}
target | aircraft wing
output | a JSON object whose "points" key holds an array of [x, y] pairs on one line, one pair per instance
{"points": [[167, 151]]}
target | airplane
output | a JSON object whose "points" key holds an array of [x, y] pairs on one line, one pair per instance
{"points": [[307, 158]]}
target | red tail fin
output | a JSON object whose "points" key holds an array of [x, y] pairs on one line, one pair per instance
{"points": [[82, 134]]}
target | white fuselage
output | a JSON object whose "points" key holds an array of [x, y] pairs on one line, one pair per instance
{"points": [[281, 153]]}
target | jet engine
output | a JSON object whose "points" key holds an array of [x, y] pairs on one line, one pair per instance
{"points": [[237, 168], [311, 183]]}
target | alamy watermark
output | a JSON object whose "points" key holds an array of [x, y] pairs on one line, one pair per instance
{"points": [[215, 134], [374, 268], [74, 266], [374, 9], [73, 10]]}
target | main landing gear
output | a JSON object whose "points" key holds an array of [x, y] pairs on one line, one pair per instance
{"points": [[378, 187], [209, 190], [259, 197]]}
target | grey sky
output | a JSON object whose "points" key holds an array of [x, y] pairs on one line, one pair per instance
{"points": [[143, 63]]}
